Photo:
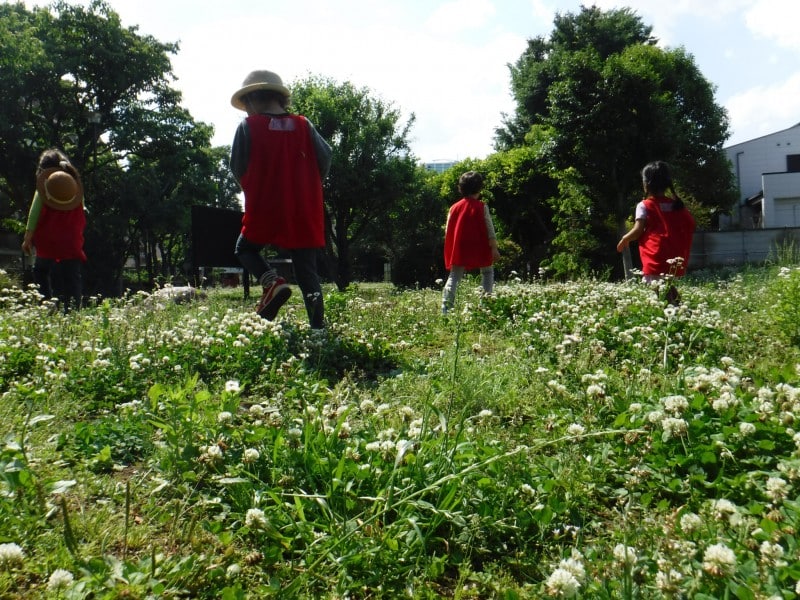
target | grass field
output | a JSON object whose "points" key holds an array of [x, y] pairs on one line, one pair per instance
{"points": [[566, 440]]}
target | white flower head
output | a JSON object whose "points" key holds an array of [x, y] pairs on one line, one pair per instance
{"points": [[691, 522], [562, 584], [232, 386], [250, 455], [719, 560], [625, 555], [255, 518], [11, 554], [59, 579], [576, 429]]}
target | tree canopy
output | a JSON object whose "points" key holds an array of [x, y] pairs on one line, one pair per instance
{"points": [[372, 167], [73, 77], [598, 100]]}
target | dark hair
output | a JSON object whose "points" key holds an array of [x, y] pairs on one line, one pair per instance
{"points": [[470, 183], [55, 158], [265, 96], [657, 179]]}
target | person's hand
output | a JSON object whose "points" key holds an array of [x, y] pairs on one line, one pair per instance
{"points": [[495, 254], [27, 247], [622, 244]]}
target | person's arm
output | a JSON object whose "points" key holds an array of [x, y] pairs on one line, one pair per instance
{"points": [[33, 221], [240, 151], [491, 233], [634, 234], [322, 150]]}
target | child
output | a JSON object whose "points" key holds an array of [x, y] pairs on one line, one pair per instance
{"points": [[663, 226], [56, 221], [470, 241], [280, 161]]}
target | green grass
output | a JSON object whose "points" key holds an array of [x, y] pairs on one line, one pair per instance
{"points": [[554, 440]]}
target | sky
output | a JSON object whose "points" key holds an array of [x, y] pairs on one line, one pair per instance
{"points": [[447, 61]]}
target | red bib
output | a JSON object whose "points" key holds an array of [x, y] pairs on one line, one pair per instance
{"points": [[466, 241], [667, 234], [282, 185]]}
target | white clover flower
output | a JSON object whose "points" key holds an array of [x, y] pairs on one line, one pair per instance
{"points": [[255, 518], [212, 453], [675, 404], [691, 522], [232, 386], [250, 455], [257, 410], [723, 509], [746, 428], [668, 582], [11, 554], [777, 488], [575, 566], [367, 406], [576, 429], [625, 555], [59, 579], [485, 414], [233, 571], [527, 490], [562, 584], [654, 416], [674, 427], [772, 554], [224, 417], [635, 408], [595, 391], [719, 560]]}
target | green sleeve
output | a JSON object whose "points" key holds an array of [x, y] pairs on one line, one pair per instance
{"points": [[33, 213]]}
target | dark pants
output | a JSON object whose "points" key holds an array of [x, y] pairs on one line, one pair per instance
{"points": [[304, 265], [59, 279]]}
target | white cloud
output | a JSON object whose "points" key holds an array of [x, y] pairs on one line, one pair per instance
{"points": [[775, 20], [460, 15], [765, 109]]}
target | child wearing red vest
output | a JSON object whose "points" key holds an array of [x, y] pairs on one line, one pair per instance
{"points": [[56, 221], [280, 161], [470, 241], [663, 226]]}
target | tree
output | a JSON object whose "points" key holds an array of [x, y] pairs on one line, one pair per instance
{"points": [[372, 167], [73, 77], [617, 102]]}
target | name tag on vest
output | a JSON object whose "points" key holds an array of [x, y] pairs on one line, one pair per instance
{"points": [[281, 124]]}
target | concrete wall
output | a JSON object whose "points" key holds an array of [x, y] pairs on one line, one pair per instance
{"points": [[716, 248]]}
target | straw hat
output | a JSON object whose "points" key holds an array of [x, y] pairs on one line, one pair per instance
{"points": [[59, 190], [259, 80]]}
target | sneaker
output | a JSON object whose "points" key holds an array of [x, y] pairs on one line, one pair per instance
{"points": [[274, 296]]}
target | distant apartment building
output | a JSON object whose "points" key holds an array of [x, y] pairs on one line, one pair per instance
{"points": [[767, 172], [440, 166]]}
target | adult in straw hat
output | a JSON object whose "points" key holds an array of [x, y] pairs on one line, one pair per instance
{"points": [[56, 222], [280, 160]]}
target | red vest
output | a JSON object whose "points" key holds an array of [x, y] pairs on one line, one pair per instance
{"points": [[59, 233], [466, 241], [282, 185], [667, 234]]}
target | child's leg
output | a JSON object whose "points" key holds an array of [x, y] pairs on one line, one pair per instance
{"points": [[249, 255], [71, 286], [450, 287], [304, 265], [487, 279], [42, 273]]}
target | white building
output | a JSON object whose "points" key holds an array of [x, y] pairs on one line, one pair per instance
{"points": [[767, 171]]}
